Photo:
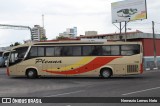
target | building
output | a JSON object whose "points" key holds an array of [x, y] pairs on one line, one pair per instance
{"points": [[145, 38], [90, 33], [5, 48], [69, 33], [38, 33]]}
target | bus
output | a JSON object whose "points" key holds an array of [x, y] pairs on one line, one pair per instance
{"points": [[75, 59]]}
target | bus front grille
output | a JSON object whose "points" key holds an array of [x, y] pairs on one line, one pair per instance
{"points": [[132, 68]]}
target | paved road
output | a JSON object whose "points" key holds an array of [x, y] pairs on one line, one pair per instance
{"points": [[145, 85]]}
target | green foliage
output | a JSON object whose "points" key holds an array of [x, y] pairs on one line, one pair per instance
{"points": [[15, 44], [61, 38], [44, 38]]}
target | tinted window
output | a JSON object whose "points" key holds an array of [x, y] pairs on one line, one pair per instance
{"points": [[33, 51], [106, 50], [76, 51], [36, 51], [87, 50], [130, 49], [40, 51], [66, 51], [17, 55], [58, 51], [97, 50], [115, 50], [1, 53], [50, 51], [21, 52]]}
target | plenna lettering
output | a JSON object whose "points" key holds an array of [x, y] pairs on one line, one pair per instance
{"points": [[47, 61]]}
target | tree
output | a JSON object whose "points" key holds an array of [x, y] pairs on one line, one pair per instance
{"points": [[44, 38], [15, 44], [62, 38]]}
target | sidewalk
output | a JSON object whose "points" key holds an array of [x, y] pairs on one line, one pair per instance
{"points": [[151, 70]]}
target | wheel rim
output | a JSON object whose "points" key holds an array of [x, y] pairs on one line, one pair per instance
{"points": [[30, 73], [106, 74]]}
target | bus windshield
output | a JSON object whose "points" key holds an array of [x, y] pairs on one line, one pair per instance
{"points": [[17, 55]]}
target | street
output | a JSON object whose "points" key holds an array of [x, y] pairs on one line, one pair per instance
{"points": [[145, 85]]}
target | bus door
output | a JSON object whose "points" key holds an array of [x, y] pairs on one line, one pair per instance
{"points": [[16, 60]]}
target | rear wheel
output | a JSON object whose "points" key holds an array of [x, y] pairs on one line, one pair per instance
{"points": [[106, 73], [31, 73]]}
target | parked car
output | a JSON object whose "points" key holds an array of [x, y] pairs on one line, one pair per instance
{"points": [[3, 58]]}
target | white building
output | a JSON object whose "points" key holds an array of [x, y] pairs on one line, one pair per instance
{"points": [[69, 33], [38, 33], [90, 33]]}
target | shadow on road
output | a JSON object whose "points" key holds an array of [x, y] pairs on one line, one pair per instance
{"points": [[84, 78]]}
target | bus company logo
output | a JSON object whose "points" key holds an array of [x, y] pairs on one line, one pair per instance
{"points": [[6, 100], [46, 61]]}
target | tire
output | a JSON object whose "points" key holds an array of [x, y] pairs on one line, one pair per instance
{"points": [[31, 73], [106, 73]]}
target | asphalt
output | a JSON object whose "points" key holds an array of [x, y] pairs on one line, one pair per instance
{"points": [[144, 85]]}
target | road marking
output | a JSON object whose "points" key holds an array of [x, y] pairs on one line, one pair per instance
{"points": [[141, 91], [65, 93]]}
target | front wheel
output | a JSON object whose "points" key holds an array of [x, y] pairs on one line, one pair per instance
{"points": [[105, 73], [31, 73]]}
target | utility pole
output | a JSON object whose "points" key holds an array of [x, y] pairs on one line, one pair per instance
{"points": [[154, 44], [125, 31], [120, 35]]}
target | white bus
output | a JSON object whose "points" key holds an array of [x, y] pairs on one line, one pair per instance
{"points": [[76, 58]]}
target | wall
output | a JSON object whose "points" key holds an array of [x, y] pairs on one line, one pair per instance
{"points": [[148, 48]]}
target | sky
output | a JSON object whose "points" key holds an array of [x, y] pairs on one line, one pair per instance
{"points": [[86, 15]]}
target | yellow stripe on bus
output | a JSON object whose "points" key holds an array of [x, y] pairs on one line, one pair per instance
{"points": [[85, 60]]}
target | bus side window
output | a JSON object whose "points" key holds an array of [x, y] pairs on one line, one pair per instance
{"points": [[66, 51], [106, 50], [87, 50], [127, 50], [57, 51], [33, 52], [41, 51], [97, 50], [76, 50], [115, 50], [50, 51]]}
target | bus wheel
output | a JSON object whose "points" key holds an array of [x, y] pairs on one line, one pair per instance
{"points": [[31, 73], [106, 72]]}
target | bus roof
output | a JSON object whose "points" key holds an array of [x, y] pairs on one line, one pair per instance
{"points": [[82, 42]]}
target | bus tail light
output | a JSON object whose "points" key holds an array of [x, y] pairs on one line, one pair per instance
{"points": [[141, 68]]}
